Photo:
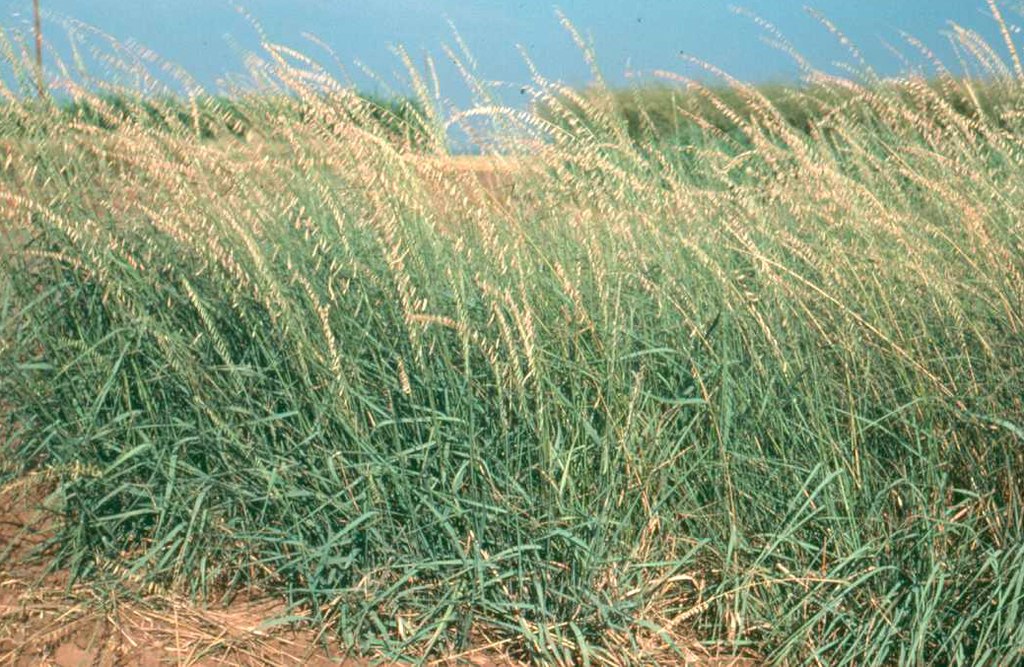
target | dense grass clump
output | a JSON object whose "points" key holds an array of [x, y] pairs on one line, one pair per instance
{"points": [[762, 396]]}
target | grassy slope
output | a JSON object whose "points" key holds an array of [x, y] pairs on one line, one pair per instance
{"points": [[764, 394]]}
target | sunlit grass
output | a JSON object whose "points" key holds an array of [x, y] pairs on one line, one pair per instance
{"points": [[757, 392]]}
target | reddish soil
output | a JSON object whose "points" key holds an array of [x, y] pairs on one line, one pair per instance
{"points": [[43, 621], [483, 180], [46, 621]]}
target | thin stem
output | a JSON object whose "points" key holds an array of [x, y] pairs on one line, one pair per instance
{"points": [[39, 50]]}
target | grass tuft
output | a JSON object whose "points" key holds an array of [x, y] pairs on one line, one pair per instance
{"points": [[758, 390]]}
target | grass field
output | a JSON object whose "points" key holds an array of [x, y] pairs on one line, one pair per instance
{"points": [[616, 399]]}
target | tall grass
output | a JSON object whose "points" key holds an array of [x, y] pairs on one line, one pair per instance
{"points": [[759, 396], [660, 113]]}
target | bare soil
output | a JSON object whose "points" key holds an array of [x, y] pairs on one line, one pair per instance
{"points": [[45, 620]]}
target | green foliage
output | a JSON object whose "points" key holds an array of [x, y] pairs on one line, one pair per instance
{"points": [[207, 117], [661, 113], [758, 390]]}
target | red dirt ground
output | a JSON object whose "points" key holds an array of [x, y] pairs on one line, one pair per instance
{"points": [[43, 621]]}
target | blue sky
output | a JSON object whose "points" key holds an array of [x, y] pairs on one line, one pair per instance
{"points": [[208, 37]]}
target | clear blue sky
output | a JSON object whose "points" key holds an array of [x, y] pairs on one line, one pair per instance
{"points": [[207, 37]]}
